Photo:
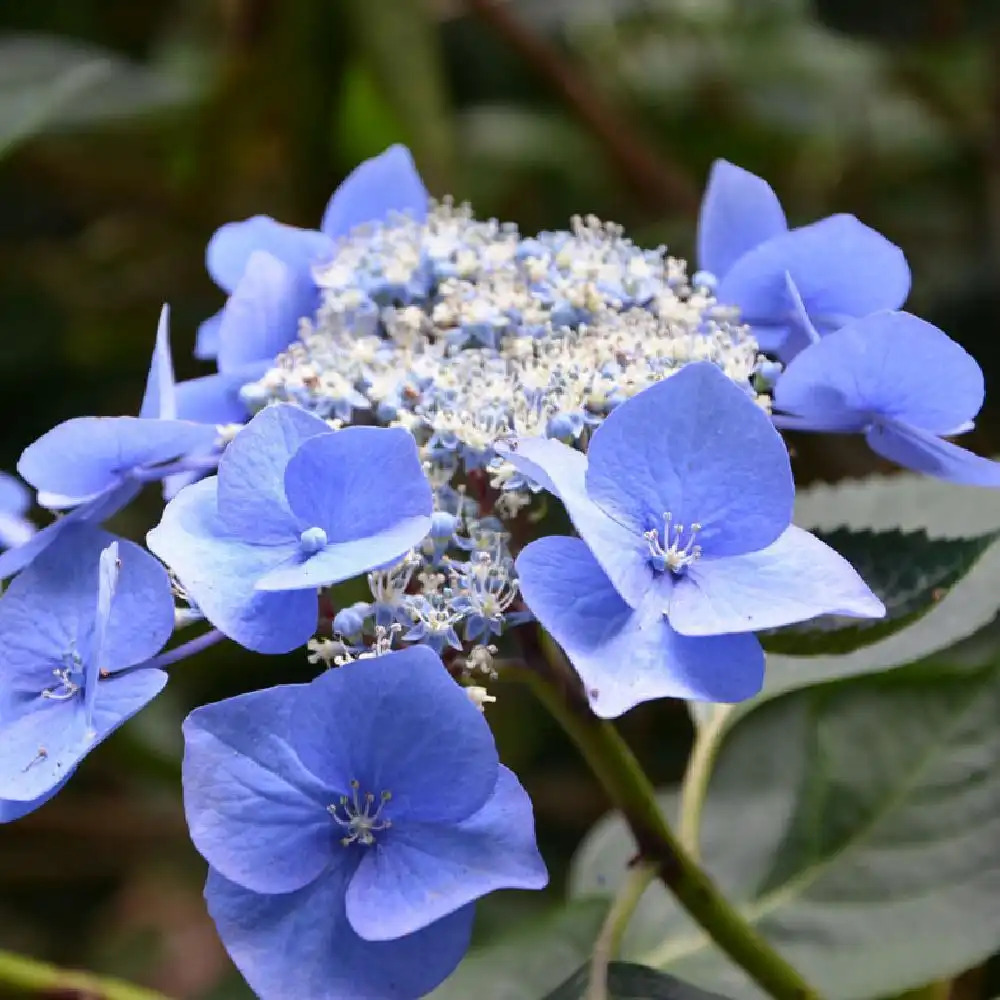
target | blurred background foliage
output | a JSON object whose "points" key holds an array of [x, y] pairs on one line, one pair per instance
{"points": [[129, 132]]}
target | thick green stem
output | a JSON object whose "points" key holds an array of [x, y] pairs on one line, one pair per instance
{"points": [[626, 784], [33, 977]]}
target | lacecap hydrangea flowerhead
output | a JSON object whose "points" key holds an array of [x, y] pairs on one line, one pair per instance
{"points": [[403, 398]]}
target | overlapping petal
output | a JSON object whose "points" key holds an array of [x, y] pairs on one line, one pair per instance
{"points": [[622, 656], [254, 812], [394, 724], [427, 870], [739, 211], [917, 449], [796, 578], [697, 447], [301, 945]]}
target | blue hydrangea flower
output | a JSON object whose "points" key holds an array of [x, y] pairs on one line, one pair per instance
{"points": [[840, 267], [898, 380], [75, 625], [374, 190], [294, 507], [683, 504], [15, 499], [350, 824], [97, 465]]}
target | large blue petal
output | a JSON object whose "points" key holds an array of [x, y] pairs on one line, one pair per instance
{"points": [[262, 315], [252, 499], [398, 724], [358, 482], [219, 571], [622, 657], [92, 512], [254, 812], [231, 246], [695, 446], [421, 872], [301, 945], [841, 268], [158, 401], [44, 745], [87, 455], [917, 449], [889, 363], [15, 497], [796, 578], [622, 552], [15, 530], [739, 211], [375, 189]]}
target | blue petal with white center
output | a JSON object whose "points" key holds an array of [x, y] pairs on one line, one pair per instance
{"points": [[621, 658], [355, 819], [84, 611]]}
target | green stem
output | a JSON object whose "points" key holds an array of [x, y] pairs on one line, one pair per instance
{"points": [[626, 784], [609, 941], [33, 977], [707, 740]]}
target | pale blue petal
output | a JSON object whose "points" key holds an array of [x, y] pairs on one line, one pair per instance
{"points": [[15, 530], [698, 447], [374, 190], [400, 724], [42, 747], [262, 315], [92, 512], [739, 211], [622, 657], [890, 363], [88, 455], [108, 571], [15, 497], [206, 344], [420, 872], [219, 572], [252, 499], [346, 560], [158, 402], [841, 267], [300, 945], [622, 552], [10, 811], [358, 482], [924, 452], [231, 246], [254, 812], [797, 578]]}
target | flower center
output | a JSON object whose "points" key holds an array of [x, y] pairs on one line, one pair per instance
{"points": [[70, 679], [312, 540], [675, 550], [359, 816]]}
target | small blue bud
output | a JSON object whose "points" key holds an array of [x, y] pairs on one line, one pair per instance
{"points": [[704, 279], [350, 621], [443, 525]]}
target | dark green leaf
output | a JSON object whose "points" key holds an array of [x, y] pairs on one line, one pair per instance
{"points": [[908, 570], [855, 824], [632, 982], [531, 961]]}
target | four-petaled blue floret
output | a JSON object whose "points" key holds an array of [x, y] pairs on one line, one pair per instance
{"points": [[683, 505], [350, 824]]}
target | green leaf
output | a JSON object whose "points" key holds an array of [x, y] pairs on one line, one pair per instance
{"points": [[531, 961], [855, 824], [48, 82], [627, 981], [908, 570]]}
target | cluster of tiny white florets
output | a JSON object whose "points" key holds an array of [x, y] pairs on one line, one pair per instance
{"points": [[468, 335]]}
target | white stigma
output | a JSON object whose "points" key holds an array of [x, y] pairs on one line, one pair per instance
{"points": [[676, 550], [360, 816]]}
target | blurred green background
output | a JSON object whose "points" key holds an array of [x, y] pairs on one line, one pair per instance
{"points": [[129, 132]]}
